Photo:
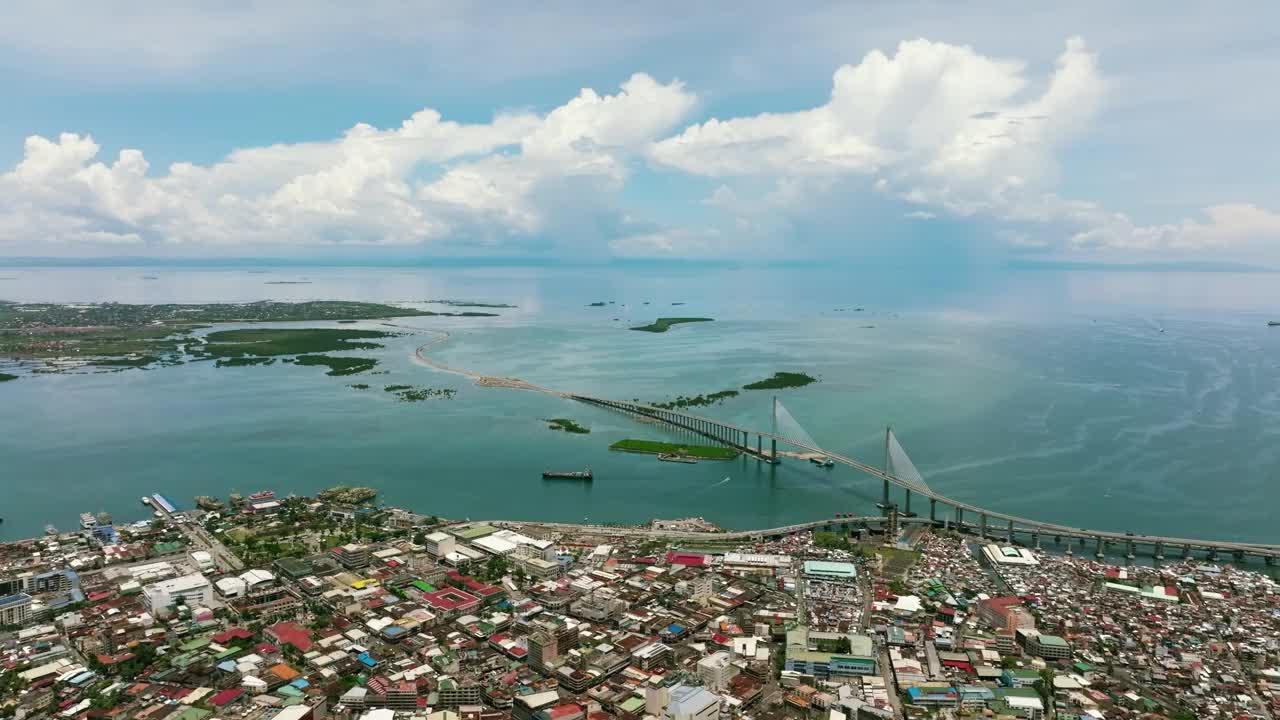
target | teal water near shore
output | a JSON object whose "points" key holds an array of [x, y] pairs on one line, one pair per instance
{"points": [[1147, 402]]}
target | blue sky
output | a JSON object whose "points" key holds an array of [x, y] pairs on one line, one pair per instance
{"points": [[656, 130]]}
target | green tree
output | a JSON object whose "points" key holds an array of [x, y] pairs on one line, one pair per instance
{"points": [[839, 645], [1045, 687], [495, 568]]}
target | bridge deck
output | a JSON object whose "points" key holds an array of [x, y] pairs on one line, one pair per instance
{"points": [[674, 418]]}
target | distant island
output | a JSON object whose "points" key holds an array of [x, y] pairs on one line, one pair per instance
{"points": [[468, 303], [662, 325], [5, 377], [115, 336]]}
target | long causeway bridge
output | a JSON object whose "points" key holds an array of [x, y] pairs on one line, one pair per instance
{"points": [[900, 473]]}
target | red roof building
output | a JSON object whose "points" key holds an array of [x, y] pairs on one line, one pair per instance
{"points": [[451, 600], [687, 559], [226, 697], [287, 633], [487, 593], [235, 633]]}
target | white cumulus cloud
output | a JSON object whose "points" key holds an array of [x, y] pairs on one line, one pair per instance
{"points": [[932, 112], [428, 179]]}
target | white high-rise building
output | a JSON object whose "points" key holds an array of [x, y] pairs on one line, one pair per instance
{"points": [[440, 544], [716, 670], [656, 699], [15, 609]]}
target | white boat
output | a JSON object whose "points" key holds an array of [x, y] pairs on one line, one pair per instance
{"points": [[146, 500]]}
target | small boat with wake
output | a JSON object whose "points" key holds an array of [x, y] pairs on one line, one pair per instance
{"points": [[584, 475]]}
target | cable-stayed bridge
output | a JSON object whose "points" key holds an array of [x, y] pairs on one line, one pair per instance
{"points": [[900, 472]]}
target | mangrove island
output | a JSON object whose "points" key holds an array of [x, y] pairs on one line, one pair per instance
{"points": [[662, 325], [781, 380], [567, 425]]}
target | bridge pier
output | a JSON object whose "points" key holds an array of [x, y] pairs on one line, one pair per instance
{"points": [[884, 495], [933, 507], [1130, 555], [1071, 541], [1186, 551], [982, 526], [1035, 539], [759, 446], [773, 450], [1268, 560], [960, 518], [1010, 532], [1158, 553], [1213, 553], [1098, 551], [908, 503]]}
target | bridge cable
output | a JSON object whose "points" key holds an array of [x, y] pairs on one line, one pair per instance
{"points": [[789, 427], [901, 467]]}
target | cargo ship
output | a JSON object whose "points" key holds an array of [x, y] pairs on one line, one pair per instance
{"points": [[88, 521], [1273, 323], [822, 461], [572, 475]]}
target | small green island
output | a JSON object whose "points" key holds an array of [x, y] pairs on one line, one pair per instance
{"points": [[656, 447], [778, 381], [243, 361], [409, 393], [6, 377], [683, 402], [598, 303], [566, 425], [662, 325], [359, 386], [338, 366], [781, 380]]}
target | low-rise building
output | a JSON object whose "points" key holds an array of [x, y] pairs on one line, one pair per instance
{"points": [[192, 590], [352, 556]]}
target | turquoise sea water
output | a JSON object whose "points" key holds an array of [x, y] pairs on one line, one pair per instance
{"points": [[1047, 394]]}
